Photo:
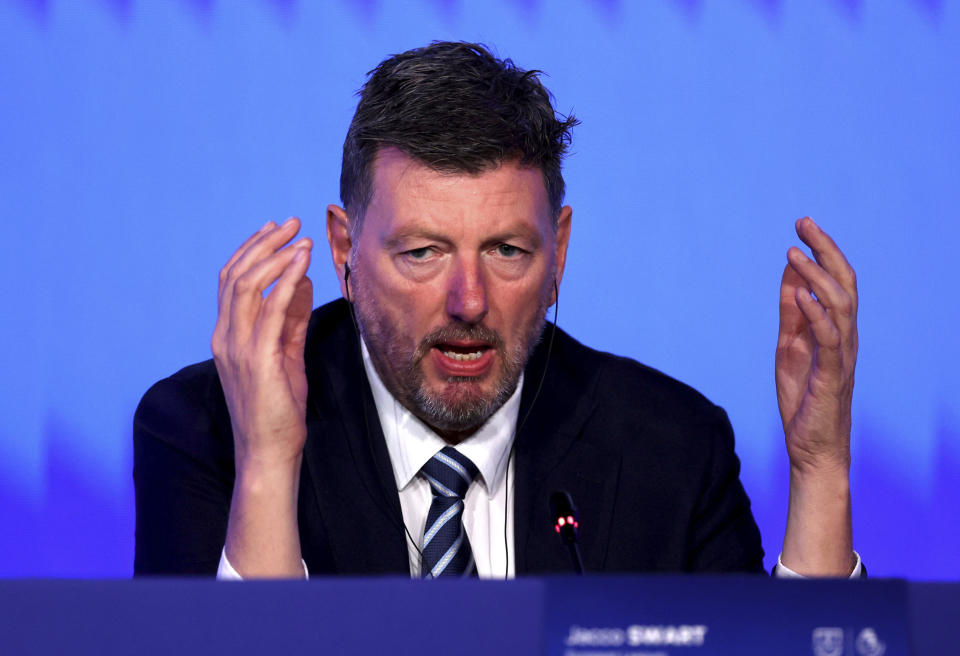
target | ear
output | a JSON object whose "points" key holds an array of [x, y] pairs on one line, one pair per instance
{"points": [[563, 240], [338, 234]]}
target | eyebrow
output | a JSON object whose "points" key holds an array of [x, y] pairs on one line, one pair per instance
{"points": [[398, 239], [532, 236], [413, 233]]}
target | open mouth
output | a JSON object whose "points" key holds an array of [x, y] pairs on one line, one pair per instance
{"points": [[464, 358], [462, 353]]}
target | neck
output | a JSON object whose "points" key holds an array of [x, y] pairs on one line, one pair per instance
{"points": [[451, 437]]}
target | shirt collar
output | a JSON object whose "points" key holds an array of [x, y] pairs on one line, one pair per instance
{"points": [[411, 443]]}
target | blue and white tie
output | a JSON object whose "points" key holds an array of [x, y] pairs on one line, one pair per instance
{"points": [[446, 549]]}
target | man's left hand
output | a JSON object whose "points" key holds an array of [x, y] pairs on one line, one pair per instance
{"points": [[815, 361]]}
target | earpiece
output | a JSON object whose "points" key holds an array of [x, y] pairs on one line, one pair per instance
{"points": [[346, 279]]}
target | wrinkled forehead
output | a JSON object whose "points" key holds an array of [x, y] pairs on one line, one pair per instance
{"points": [[407, 190]]}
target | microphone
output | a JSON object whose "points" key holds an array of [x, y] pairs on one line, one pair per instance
{"points": [[565, 523]]}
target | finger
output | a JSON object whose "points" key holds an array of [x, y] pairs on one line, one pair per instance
{"points": [[269, 225], [828, 255], [792, 320], [248, 289], [830, 294], [298, 314], [829, 356], [265, 245], [217, 342], [274, 315]]}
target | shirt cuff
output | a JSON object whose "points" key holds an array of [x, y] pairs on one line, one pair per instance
{"points": [[783, 572], [225, 571]]}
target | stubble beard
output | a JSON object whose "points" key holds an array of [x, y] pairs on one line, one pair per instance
{"points": [[462, 406]]}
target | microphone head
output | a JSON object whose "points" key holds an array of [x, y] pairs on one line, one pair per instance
{"points": [[564, 515]]}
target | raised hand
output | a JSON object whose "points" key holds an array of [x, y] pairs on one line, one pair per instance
{"points": [[258, 346], [817, 351], [815, 361]]}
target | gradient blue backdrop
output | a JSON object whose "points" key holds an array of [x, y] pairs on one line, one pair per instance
{"points": [[142, 141]]}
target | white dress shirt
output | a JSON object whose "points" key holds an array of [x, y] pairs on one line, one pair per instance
{"points": [[487, 515]]}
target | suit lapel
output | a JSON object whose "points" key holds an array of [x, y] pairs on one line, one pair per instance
{"points": [[346, 455], [553, 454]]}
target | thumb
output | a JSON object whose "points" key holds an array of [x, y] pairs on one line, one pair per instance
{"points": [[298, 315]]}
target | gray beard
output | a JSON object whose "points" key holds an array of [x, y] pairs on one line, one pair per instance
{"points": [[467, 410], [468, 414]]}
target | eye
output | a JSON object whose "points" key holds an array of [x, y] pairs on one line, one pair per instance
{"points": [[418, 253], [508, 250]]}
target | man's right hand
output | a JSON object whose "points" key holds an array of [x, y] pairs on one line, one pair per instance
{"points": [[258, 345]]}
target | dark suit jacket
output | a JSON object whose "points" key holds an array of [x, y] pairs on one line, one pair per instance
{"points": [[648, 461]]}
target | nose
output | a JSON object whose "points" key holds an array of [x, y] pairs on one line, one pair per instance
{"points": [[467, 293]]}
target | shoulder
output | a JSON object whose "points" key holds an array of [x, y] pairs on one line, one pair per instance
{"points": [[631, 388], [639, 412], [330, 322], [186, 411]]}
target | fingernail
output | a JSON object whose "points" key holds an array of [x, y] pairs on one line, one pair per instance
{"points": [[289, 221], [266, 226], [300, 255]]}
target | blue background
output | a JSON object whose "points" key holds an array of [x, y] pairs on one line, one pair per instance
{"points": [[142, 141]]}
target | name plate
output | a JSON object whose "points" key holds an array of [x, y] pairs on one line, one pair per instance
{"points": [[742, 616]]}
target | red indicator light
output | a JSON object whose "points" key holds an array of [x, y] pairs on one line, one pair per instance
{"points": [[570, 519], [561, 521], [558, 528]]}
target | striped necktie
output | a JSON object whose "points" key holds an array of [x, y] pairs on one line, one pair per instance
{"points": [[446, 549]]}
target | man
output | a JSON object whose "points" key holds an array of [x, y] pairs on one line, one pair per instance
{"points": [[421, 426]]}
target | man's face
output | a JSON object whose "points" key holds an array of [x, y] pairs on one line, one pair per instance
{"points": [[451, 277]]}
